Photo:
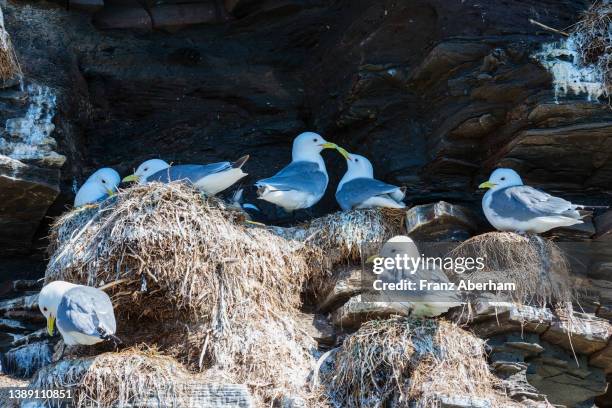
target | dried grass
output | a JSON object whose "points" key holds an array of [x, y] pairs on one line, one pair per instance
{"points": [[402, 361], [118, 379], [592, 37], [342, 237], [185, 272], [535, 265]]}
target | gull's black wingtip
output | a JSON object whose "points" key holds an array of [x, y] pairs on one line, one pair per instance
{"points": [[240, 162]]}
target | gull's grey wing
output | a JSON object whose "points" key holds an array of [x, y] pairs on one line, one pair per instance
{"points": [[524, 203], [87, 310], [189, 172], [358, 190], [300, 176]]}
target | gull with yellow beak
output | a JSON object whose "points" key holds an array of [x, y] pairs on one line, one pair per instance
{"points": [[301, 183], [209, 178], [83, 315], [418, 302], [511, 206], [359, 189], [99, 186]]}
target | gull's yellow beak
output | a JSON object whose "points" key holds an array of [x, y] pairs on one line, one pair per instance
{"points": [[131, 177], [110, 192], [487, 184], [50, 325], [372, 258], [343, 152], [328, 145]]}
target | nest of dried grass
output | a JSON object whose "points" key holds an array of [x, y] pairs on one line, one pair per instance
{"points": [[9, 65], [592, 39], [186, 273], [342, 237], [536, 266], [119, 379], [166, 253], [402, 361]]}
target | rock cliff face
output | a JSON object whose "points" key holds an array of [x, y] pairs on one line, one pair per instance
{"points": [[435, 93]]}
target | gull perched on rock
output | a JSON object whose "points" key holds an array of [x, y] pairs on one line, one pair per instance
{"points": [[83, 315], [421, 302], [511, 206], [359, 189], [209, 178], [100, 185], [302, 183]]}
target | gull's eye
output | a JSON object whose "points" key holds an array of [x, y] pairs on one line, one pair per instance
{"points": [[315, 140], [103, 181], [503, 178], [45, 309], [356, 160], [147, 169]]}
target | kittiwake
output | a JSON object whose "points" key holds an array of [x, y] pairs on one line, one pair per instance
{"points": [[100, 185], [83, 315], [359, 189], [420, 302], [302, 183], [511, 206], [209, 178]]}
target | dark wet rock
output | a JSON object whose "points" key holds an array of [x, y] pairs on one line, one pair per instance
{"points": [[603, 225], [532, 369], [584, 333], [440, 221], [24, 361], [27, 193], [21, 304], [345, 283], [489, 319], [564, 380], [574, 233], [319, 328]]}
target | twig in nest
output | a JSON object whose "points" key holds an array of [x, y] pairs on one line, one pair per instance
{"points": [[548, 28]]}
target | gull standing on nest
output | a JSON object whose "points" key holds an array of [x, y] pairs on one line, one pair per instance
{"points": [[428, 302], [301, 183], [209, 178], [359, 189], [99, 186], [83, 315]]}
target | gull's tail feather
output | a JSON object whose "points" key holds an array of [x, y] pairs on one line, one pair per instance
{"points": [[240, 162]]}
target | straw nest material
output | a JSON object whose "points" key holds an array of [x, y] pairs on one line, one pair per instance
{"points": [[535, 265], [343, 236], [119, 379], [402, 361], [188, 266], [186, 273], [593, 40]]}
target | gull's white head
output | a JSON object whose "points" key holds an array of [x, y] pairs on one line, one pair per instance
{"points": [[102, 183], [359, 166], [49, 300], [502, 178], [308, 145], [400, 245], [147, 169]]}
